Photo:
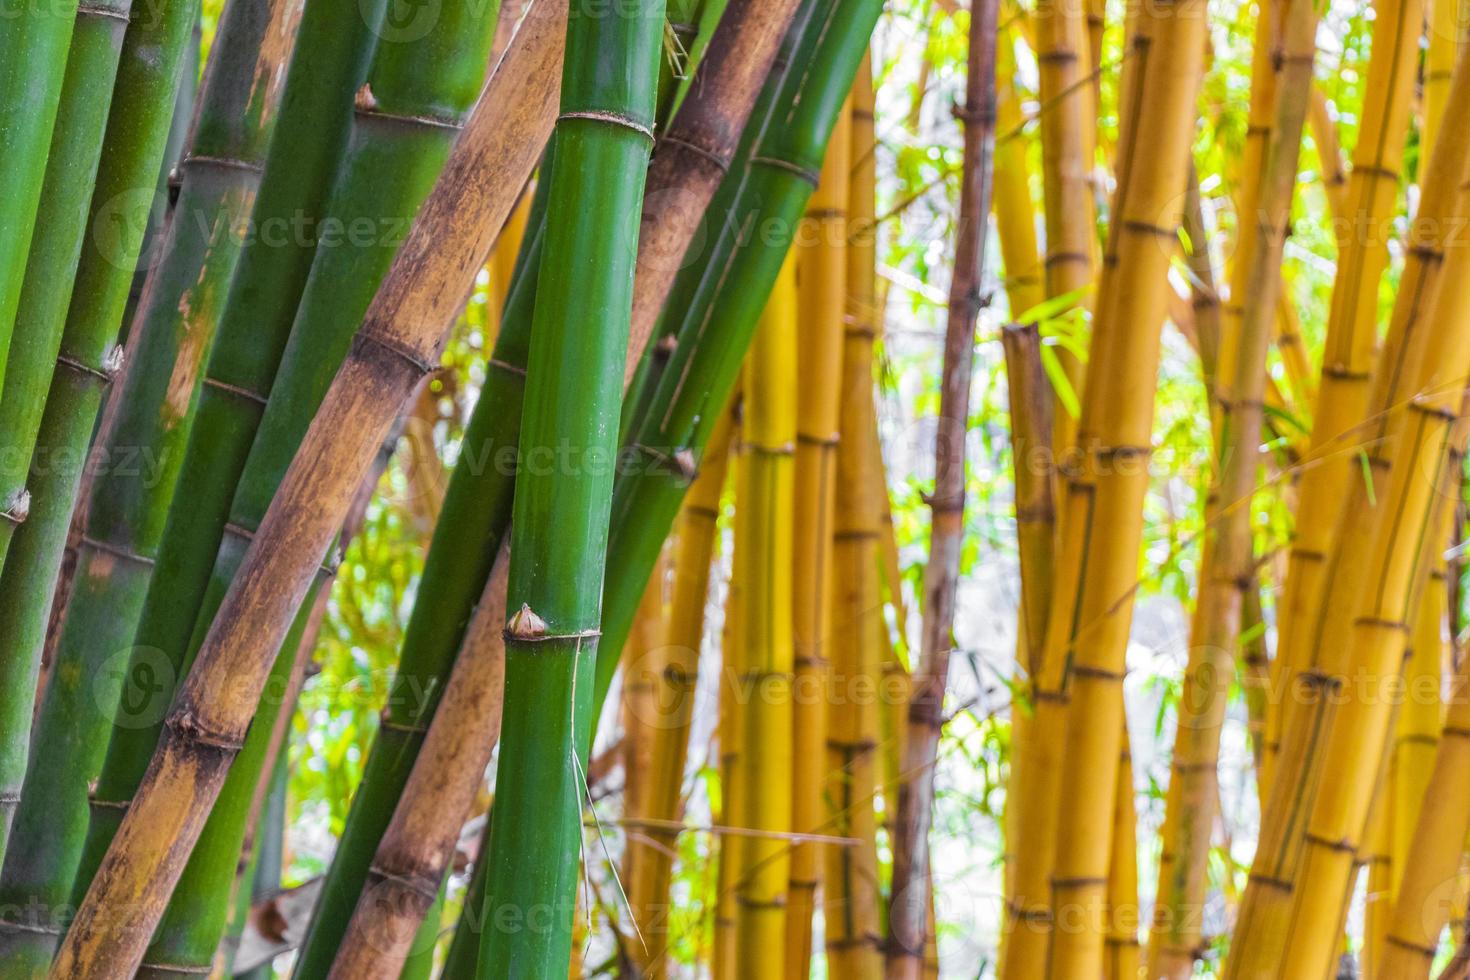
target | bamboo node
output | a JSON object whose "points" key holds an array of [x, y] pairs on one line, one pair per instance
{"points": [[179, 968], [506, 366], [525, 624], [18, 507], [102, 10], [810, 176], [612, 119], [418, 884], [188, 725], [223, 163], [411, 357], [117, 552], [238, 391], [1428, 952], [1341, 846], [719, 162]]}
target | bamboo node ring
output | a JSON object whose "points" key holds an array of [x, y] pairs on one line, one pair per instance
{"points": [[239, 391], [810, 176], [612, 119]]}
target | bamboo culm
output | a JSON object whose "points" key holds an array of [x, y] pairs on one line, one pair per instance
{"points": [[397, 345]]}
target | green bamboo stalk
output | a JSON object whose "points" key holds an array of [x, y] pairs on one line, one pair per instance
{"points": [[40, 314], [137, 125], [730, 283], [128, 497], [573, 395], [336, 41], [400, 340], [472, 523], [477, 504], [464, 947], [421, 87], [33, 55]]}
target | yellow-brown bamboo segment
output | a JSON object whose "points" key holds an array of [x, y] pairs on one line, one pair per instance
{"points": [[1068, 140], [1015, 222], [1404, 367], [821, 279], [1343, 392], [851, 892], [1429, 887], [645, 664], [731, 852], [763, 683], [1079, 711], [695, 540], [1446, 38], [1124, 958], [1329, 153], [1227, 560]]}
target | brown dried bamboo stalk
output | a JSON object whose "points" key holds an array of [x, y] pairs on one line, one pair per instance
{"points": [[415, 850], [906, 912], [398, 343], [694, 153]]}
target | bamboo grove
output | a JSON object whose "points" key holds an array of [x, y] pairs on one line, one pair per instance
{"points": [[734, 488]]}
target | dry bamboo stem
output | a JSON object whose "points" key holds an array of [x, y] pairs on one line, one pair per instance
{"points": [[764, 677], [1014, 214], [415, 850], [1068, 143], [911, 865], [1106, 481], [821, 276], [1343, 398], [1227, 563], [397, 345]]}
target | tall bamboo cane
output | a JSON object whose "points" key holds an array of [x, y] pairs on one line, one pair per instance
{"points": [[574, 389], [1015, 220], [1227, 561], [947, 504], [413, 855], [852, 894], [1298, 927], [727, 291], [40, 303], [478, 498], [1447, 36], [125, 516], [137, 125], [763, 679], [731, 744], [396, 346], [1398, 375], [1343, 398], [33, 56], [822, 290], [421, 86], [1079, 721], [1068, 137], [648, 884]]}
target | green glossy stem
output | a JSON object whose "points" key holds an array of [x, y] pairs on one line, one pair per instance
{"points": [[719, 299], [335, 43], [422, 84], [129, 495], [137, 126], [574, 388], [33, 55]]}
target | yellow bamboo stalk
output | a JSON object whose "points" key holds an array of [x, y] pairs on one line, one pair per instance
{"points": [[1227, 561], [1336, 739], [1015, 221], [645, 664], [1329, 154], [695, 541], [1123, 960], [1446, 37], [1068, 142], [821, 275], [1343, 395], [851, 889], [1077, 745], [763, 550], [1034, 478], [728, 876]]}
